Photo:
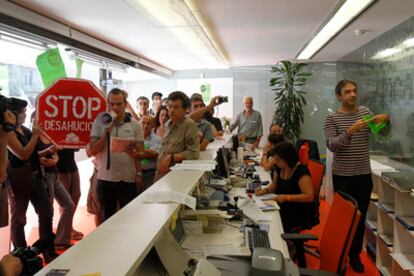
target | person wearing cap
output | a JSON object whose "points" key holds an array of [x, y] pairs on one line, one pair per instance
{"points": [[26, 184], [156, 103]]}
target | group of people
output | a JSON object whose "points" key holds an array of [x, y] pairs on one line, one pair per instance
{"points": [[347, 136], [173, 130]]}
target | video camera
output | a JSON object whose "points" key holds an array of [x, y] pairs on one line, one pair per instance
{"points": [[10, 104], [222, 100], [30, 261]]}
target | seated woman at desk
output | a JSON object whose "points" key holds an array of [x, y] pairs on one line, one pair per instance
{"points": [[291, 185], [273, 139]]}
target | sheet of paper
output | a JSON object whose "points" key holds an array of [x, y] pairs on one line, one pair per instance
{"points": [[193, 167], [251, 210], [119, 144], [170, 196], [226, 249], [263, 197]]}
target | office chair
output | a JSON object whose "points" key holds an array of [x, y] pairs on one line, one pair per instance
{"points": [[317, 171], [335, 240]]}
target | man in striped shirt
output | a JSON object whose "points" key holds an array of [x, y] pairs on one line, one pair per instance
{"points": [[348, 137]]}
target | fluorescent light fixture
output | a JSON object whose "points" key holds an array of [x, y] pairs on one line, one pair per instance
{"points": [[178, 18], [386, 53], [409, 42], [348, 11], [96, 60]]}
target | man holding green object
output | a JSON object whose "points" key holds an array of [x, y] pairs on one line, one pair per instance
{"points": [[347, 136], [152, 146]]}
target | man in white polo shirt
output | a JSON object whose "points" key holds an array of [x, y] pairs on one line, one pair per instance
{"points": [[116, 170]]}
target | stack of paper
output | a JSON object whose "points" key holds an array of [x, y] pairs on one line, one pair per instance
{"points": [[194, 167], [169, 196]]}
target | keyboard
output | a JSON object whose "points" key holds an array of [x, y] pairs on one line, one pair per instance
{"points": [[255, 237]]}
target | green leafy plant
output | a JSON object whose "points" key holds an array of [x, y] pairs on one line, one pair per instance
{"points": [[288, 85]]}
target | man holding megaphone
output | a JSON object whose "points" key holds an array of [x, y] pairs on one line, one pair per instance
{"points": [[116, 142]]}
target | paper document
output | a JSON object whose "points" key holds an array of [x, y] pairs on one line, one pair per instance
{"points": [[267, 205], [226, 249], [193, 167], [264, 197], [119, 144], [203, 162], [170, 196], [251, 210]]}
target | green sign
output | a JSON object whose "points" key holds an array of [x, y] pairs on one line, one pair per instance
{"points": [[206, 92], [79, 64], [50, 66]]}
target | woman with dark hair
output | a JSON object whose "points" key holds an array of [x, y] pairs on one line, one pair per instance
{"points": [[160, 119], [26, 184], [292, 185], [273, 139]]}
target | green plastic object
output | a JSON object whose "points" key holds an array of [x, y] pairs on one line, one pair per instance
{"points": [[375, 127], [50, 66], [145, 161]]}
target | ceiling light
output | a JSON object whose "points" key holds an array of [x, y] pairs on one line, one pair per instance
{"points": [[176, 17], [348, 11], [386, 53], [409, 42]]}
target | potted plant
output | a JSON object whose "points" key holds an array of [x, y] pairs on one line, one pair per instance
{"points": [[288, 84]]}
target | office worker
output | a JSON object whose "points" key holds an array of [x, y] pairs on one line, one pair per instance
{"points": [[347, 136], [117, 171], [249, 123], [275, 128], [205, 127], [272, 140], [152, 146], [181, 138], [291, 185]]}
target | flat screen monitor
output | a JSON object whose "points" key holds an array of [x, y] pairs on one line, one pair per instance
{"points": [[235, 141], [223, 162]]}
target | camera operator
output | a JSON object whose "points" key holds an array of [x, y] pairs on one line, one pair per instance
{"points": [[26, 184], [4, 210], [10, 265]]}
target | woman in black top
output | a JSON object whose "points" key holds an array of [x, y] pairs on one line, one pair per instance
{"points": [[292, 185], [26, 184]]}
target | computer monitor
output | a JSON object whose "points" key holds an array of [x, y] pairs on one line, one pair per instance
{"points": [[223, 162], [235, 141]]}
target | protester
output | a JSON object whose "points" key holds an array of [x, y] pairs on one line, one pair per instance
{"points": [[117, 169], [180, 141]]}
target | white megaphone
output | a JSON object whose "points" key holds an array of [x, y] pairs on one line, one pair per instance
{"points": [[105, 119]]}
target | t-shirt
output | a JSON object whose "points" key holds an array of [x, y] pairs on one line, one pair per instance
{"points": [[249, 126], [16, 162], [294, 215], [122, 166], [350, 155], [66, 162], [151, 142], [206, 130]]}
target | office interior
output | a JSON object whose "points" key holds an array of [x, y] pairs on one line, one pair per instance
{"points": [[231, 45]]}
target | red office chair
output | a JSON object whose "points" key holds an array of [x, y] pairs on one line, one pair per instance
{"points": [[304, 153], [336, 239]]}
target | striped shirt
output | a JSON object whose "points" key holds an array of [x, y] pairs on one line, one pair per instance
{"points": [[350, 155]]}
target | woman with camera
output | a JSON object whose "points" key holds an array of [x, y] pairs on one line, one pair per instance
{"points": [[26, 184]]}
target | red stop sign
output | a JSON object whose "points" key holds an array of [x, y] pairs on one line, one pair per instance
{"points": [[67, 109]]}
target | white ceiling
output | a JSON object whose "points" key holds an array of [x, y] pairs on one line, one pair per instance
{"points": [[259, 32]]}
